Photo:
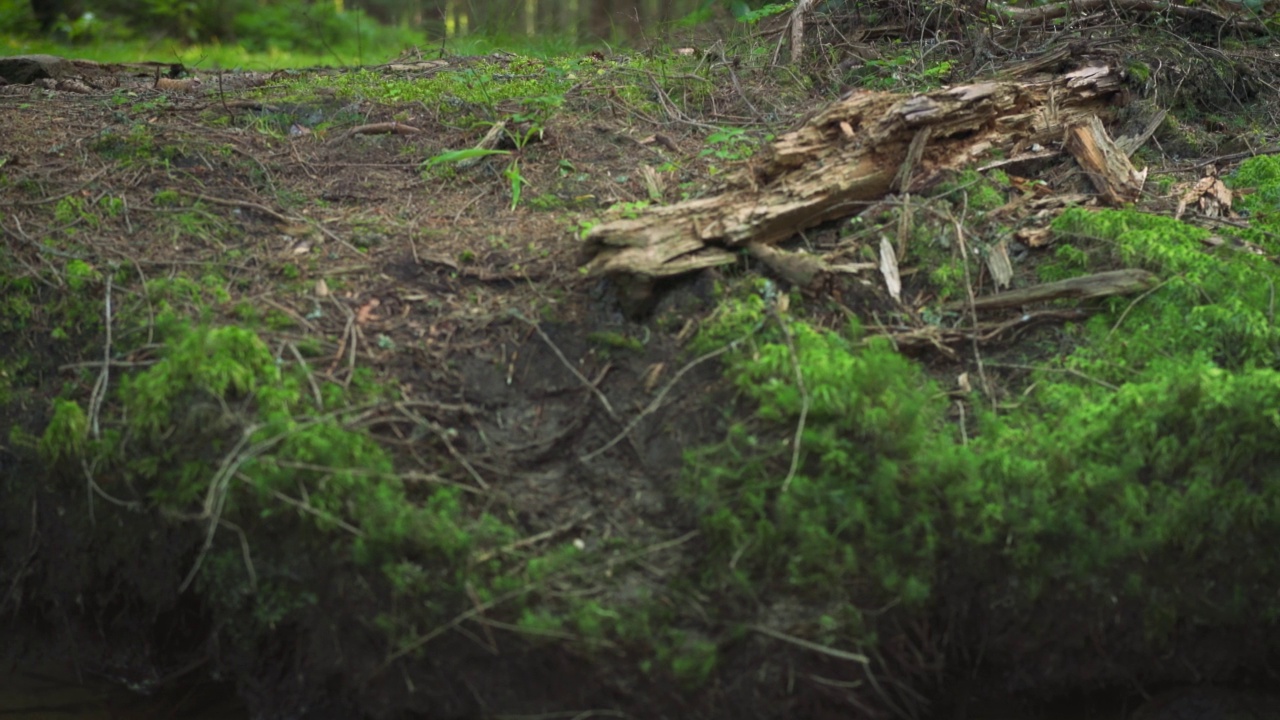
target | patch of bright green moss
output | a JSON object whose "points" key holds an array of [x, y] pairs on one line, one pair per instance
{"points": [[1212, 305], [857, 512], [217, 423], [1156, 494], [1261, 176], [616, 341]]}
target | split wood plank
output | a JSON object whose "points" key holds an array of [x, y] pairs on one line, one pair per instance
{"points": [[1114, 282]]}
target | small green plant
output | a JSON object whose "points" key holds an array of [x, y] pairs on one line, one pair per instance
{"points": [[583, 227], [730, 144], [616, 341], [165, 198], [948, 278], [769, 10], [112, 205], [629, 210], [79, 273], [71, 210], [66, 434], [515, 178]]}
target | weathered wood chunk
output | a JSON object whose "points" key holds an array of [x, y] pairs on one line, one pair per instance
{"points": [[855, 151]]}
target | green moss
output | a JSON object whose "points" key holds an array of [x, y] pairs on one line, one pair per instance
{"points": [[218, 417], [79, 273], [164, 198], [984, 197], [66, 434], [693, 661], [1262, 175], [1068, 261], [16, 302], [970, 187], [1147, 483], [1170, 475], [616, 341], [138, 145], [72, 209], [948, 279], [1211, 306], [862, 512]]}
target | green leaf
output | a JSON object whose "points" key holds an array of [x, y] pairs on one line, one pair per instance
{"points": [[457, 156]]}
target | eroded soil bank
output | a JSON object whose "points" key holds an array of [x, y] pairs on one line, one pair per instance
{"points": [[306, 391]]}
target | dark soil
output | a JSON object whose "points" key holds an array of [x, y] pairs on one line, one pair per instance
{"points": [[477, 313]]}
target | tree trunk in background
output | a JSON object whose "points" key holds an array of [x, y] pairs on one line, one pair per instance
{"points": [[48, 11], [430, 17], [627, 17], [634, 21], [588, 20], [381, 12], [477, 12], [599, 24]]}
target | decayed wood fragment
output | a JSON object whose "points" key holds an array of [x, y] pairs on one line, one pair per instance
{"points": [[796, 268], [1210, 195], [1114, 282], [1129, 144], [1106, 164], [822, 171]]}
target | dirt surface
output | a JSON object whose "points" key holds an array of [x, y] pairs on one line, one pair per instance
{"points": [[436, 284], [557, 406], [476, 312]]}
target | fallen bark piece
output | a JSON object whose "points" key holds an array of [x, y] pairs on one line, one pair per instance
{"points": [[1106, 164], [848, 154], [1130, 143], [798, 269], [165, 84], [889, 269], [1210, 195], [1114, 282], [999, 264]]}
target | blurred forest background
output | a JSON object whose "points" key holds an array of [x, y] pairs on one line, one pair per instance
{"points": [[323, 26]]}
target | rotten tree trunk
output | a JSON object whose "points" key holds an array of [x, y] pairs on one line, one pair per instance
{"points": [[855, 151]]}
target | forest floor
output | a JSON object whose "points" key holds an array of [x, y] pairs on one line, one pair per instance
{"points": [[387, 281]]}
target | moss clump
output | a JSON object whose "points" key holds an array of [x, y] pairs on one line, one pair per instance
{"points": [[1135, 494], [616, 341], [856, 509], [1153, 496], [975, 190], [1212, 306], [219, 435]]}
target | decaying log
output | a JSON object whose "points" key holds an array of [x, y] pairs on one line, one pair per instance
{"points": [[850, 153], [1106, 164], [1114, 282]]}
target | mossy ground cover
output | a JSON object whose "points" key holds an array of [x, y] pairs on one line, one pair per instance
{"points": [[292, 395]]}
